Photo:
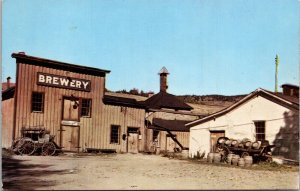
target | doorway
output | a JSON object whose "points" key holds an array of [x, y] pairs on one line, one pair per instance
{"points": [[214, 135], [133, 140], [70, 124]]}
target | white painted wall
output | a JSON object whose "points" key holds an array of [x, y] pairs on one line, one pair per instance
{"points": [[239, 124]]}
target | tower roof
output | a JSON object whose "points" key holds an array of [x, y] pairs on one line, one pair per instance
{"points": [[163, 71]]}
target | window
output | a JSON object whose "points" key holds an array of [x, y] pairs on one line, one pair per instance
{"points": [[114, 134], [86, 105], [37, 102], [155, 135], [260, 130]]}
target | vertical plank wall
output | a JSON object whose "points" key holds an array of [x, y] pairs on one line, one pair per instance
{"points": [[7, 122], [94, 130]]}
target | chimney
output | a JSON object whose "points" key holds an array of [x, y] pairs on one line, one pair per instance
{"points": [[163, 73], [290, 90], [8, 82]]}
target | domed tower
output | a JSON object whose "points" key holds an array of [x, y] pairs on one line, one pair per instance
{"points": [[163, 73]]}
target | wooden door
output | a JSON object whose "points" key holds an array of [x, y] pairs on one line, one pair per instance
{"points": [[70, 138], [70, 125], [133, 142], [170, 144], [70, 109], [214, 135]]}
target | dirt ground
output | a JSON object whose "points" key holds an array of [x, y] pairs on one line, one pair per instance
{"points": [[134, 171]]}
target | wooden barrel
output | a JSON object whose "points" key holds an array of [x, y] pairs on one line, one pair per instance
{"points": [[241, 162], [235, 159], [217, 158], [240, 145], [229, 158], [248, 144], [210, 157], [256, 144], [248, 161], [228, 142], [235, 143], [222, 140]]}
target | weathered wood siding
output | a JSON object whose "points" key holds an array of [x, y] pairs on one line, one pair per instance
{"points": [[117, 115], [95, 130], [182, 137], [7, 122], [167, 144], [52, 115]]}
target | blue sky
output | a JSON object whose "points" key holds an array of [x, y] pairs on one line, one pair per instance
{"points": [[209, 46]]}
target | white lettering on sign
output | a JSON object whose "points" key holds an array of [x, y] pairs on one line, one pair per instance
{"points": [[63, 82], [41, 78], [55, 80]]}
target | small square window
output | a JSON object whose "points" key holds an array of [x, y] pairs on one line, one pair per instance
{"points": [[37, 102], [115, 134], [86, 106]]}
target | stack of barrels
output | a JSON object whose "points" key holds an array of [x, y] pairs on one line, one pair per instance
{"points": [[236, 160], [245, 143], [232, 159]]}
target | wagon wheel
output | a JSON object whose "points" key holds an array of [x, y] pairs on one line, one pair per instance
{"points": [[48, 149], [244, 154], [224, 151], [27, 147]]}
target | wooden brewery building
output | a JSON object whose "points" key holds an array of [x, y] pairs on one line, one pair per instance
{"points": [[70, 101]]}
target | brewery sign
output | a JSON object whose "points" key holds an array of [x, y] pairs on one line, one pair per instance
{"points": [[63, 82]]}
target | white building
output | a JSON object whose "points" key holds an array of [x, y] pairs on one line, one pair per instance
{"points": [[261, 115]]}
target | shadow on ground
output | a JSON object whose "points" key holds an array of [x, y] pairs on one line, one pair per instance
{"points": [[17, 175]]}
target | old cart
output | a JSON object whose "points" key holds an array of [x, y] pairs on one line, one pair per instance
{"points": [[260, 151], [35, 140]]}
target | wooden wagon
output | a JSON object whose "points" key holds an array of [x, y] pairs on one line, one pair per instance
{"points": [[260, 151], [35, 140]]}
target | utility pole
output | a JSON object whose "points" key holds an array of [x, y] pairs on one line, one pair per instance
{"points": [[276, 72]]}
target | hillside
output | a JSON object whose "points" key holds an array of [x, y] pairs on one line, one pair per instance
{"points": [[205, 104], [209, 98]]}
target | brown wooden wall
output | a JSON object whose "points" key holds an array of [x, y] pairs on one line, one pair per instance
{"points": [[117, 115], [94, 130], [167, 144], [51, 117], [7, 122], [182, 137]]}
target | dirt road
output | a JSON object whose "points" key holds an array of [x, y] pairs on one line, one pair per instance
{"points": [[135, 171]]}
